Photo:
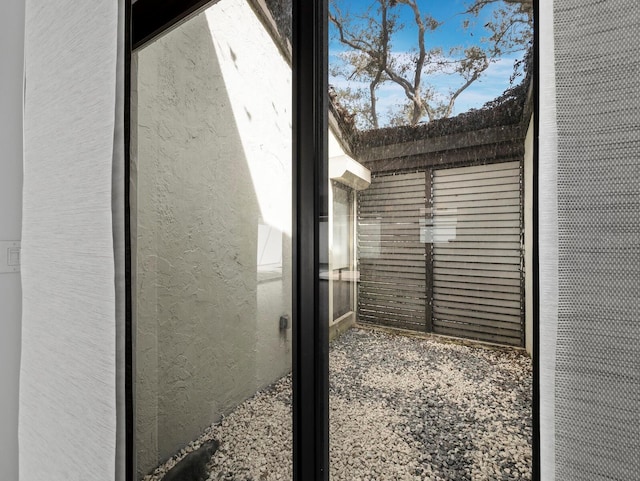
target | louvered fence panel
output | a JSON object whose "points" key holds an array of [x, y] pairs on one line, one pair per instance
{"points": [[391, 254], [477, 256]]}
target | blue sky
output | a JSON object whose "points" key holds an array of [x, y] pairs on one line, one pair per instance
{"points": [[493, 82]]}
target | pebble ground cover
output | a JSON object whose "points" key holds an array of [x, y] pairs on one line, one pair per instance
{"points": [[402, 408]]}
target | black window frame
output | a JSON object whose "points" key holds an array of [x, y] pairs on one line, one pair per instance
{"points": [[147, 19]]}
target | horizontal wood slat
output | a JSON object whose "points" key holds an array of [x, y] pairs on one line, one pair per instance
{"points": [[364, 242], [450, 189], [393, 303], [465, 230], [488, 177], [479, 336], [380, 218], [404, 207], [476, 273], [440, 278], [393, 207], [399, 296], [470, 180], [382, 279], [388, 232], [464, 252], [467, 237], [498, 336], [474, 244], [491, 216], [472, 304], [390, 256], [477, 260], [387, 197], [474, 203], [387, 306], [409, 317], [440, 312], [494, 327], [378, 179], [394, 253], [513, 224], [480, 170], [411, 290], [478, 197], [379, 320], [488, 294], [369, 265], [395, 186], [476, 209], [399, 310]]}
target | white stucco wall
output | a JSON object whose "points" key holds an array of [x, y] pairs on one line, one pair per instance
{"points": [[213, 165], [346, 170], [528, 236], [11, 59]]}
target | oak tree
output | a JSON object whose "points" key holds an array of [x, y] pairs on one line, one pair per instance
{"points": [[369, 58]]}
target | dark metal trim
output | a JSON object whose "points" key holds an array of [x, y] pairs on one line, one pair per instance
{"points": [[535, 459], [128, 347], [310, 193], [429, 253], [153, 17], [523, 265], [486, 154]]}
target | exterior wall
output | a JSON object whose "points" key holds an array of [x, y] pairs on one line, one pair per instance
{"points": [[528, 237], [335, 150], [213, 172], [11, 82], [345, 170]]}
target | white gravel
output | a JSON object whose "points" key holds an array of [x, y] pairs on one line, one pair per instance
{"points": [[401, 408]]}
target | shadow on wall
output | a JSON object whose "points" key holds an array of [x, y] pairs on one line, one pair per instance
{"points": [[207, 333]]}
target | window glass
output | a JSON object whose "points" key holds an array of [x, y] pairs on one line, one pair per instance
{"points": [[211, 190], [431, 135]]}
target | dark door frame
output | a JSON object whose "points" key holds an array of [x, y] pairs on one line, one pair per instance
{"points": [[145, 20]]}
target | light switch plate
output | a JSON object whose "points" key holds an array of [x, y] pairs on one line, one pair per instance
{"points": [[9, 257]]}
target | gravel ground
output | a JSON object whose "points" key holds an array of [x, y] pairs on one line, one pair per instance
{"points": [[401, 408]]}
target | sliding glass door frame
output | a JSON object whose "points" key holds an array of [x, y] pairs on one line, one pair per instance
{"points": [[310, 205], [145, 20], [535, 408]]}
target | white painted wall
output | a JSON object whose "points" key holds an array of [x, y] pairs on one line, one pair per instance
{"points": [[11, 67], [346, 170]]}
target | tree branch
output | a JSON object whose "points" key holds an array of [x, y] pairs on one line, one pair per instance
{"points": [[457, 93], [404, 83], [362, 46], [372, 92], [421, 48], [525, 6]]}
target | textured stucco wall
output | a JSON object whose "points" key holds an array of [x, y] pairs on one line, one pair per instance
{"points": [[212, 162], [528, 237]]}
